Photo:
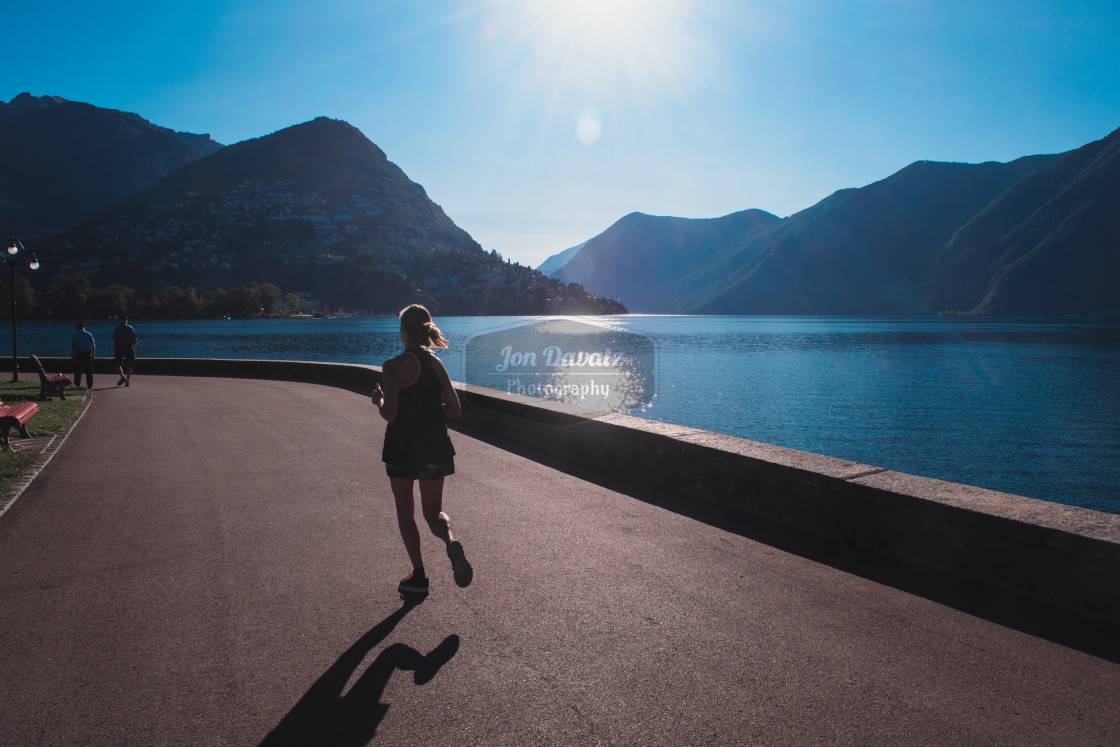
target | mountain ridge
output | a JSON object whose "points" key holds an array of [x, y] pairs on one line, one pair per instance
{"points": [[558, 260], [65, 161], [315, 207], [108, 191], [1025, 237], [864, 250], [1010, 251], [669, 250]]}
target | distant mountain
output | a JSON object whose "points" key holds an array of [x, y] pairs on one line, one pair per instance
{"points": [[316, 208], [558, 260], [204, 144], [642, 259], [1050, 245], [65, 161], [1035, 236], [27, 101], [859, 251]]}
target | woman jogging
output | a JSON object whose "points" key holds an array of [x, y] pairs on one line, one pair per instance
{"points": [[417, 401]]}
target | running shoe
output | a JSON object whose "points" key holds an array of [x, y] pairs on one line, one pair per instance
{"points": [[414, 583], [462, 569]]}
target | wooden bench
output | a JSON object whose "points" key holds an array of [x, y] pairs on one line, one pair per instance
{"points": [[50, 386], [15, 416]]}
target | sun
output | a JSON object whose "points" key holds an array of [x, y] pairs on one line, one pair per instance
{"points": [[636, 46], [593, 18]]}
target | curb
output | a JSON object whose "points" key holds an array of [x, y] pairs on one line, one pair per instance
{"points": [[45, 457]]}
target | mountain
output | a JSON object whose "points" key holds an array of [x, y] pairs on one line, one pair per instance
{"points": [[558, 260], [641, 259], [65, 161], [859, 251], [1035, 236], [27, 101], [1048, 245], [314, 208]]}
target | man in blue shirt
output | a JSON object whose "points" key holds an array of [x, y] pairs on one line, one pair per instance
{"points": [[124, 349], [82, 350]]}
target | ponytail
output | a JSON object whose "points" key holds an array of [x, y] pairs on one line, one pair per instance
{"points": [[418, 327]]}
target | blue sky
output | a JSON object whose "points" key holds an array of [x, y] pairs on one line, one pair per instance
{"points": [[538, 123]]}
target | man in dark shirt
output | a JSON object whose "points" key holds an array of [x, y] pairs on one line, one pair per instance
{"points": [[124, 349], [82, 349]]}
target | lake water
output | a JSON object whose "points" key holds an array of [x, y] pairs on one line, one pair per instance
{"points": [[1025, 407]]}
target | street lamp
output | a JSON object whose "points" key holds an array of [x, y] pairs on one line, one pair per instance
{"points": [[12, 258]]}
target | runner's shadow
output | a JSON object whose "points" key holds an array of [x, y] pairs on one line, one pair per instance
{"points": [[324, 715]]}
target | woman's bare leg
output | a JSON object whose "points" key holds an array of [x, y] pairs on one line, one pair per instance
{"points": [[406, 519], [431, 501], [431, 498]]}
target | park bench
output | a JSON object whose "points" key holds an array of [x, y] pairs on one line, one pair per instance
{"points": [[15, 416], [50, 385]]}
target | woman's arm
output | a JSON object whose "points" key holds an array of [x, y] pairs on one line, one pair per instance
{"points": [[387, 405], [451, 406]]}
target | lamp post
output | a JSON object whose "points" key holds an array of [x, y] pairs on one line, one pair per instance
{"points": [[12, 258]]}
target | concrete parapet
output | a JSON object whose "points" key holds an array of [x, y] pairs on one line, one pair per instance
{"points": [[1059, 555], [351, 377]]}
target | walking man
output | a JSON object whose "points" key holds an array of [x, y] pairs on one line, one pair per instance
{"points": [[124, 349], [82, 350]]}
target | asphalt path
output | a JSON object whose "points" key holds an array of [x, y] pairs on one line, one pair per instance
{"points": [[214, 562]]}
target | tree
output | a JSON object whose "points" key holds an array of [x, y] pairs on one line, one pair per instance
{"points": [[291, 303], [221, 303], [71, 297], [180, 304], [246, 300], [25, 297], [149, 307], [270, 298], [117, 299]]}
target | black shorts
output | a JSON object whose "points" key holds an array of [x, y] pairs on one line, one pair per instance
{"points": [[431, 471], [124, 354]]}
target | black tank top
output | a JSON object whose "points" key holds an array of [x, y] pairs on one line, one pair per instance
{"points": [[418, 434]]}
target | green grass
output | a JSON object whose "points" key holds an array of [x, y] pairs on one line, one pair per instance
{"points": [[13, 467], [54, 417]]}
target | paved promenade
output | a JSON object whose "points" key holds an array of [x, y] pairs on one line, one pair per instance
{"points": [[214, 562]]}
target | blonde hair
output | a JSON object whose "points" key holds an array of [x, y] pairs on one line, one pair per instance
{"points": [[418, 327]]}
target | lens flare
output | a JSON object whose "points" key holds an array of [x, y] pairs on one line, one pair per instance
{"points": [[589, 126]]}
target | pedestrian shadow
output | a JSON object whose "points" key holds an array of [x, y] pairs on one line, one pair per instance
{"points": [[324, 715]]}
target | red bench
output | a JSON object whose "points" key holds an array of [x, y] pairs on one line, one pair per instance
{"points": [[15, 416], [50, 385]]}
